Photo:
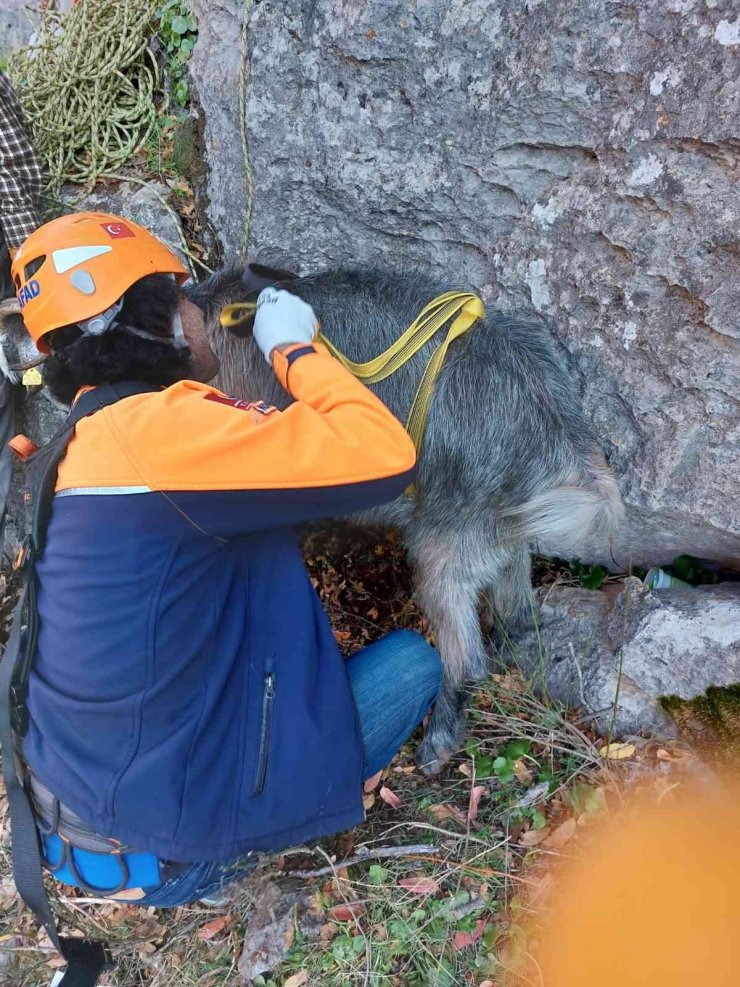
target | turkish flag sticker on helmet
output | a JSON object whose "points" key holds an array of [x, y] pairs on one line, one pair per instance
{"points": [[117, 231]]}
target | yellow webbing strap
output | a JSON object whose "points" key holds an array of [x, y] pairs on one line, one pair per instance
{"points": [[237, 315], [429, 321]]}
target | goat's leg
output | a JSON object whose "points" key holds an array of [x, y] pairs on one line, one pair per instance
{"points": [[510, 594], [449, 576]]}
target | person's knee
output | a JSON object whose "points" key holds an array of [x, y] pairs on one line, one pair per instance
{"points": [[419, 666]]}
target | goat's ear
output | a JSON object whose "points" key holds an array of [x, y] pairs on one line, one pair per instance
{"points": [[257, 276]]}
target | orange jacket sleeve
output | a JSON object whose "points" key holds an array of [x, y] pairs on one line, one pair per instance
{"points": [[337, 449]]}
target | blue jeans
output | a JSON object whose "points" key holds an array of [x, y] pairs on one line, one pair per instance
{"points": [[394, 682]]}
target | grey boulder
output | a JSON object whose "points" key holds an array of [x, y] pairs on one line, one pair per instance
{"points": [[612, 655]]}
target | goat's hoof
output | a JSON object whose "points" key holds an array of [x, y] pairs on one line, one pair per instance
{"points": [[430, 759]]}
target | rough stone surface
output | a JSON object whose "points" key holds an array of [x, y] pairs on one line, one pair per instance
{"points": [[574, 159], [634, 647], [17, 22], [280, 908]]}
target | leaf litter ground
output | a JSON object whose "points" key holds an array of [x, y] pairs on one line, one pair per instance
{"points": [[434, 888]]}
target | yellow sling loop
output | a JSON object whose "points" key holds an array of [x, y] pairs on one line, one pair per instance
{"points": [[429, 321]]}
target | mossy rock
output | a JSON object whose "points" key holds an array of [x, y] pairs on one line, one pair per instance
{"points": [[187, 150], [711, 722]]}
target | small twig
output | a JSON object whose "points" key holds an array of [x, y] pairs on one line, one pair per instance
{"points": [[437, 829], [94, 901], [467, 908], [29, 949], [480, 871], [382, 853], [591, 716]]}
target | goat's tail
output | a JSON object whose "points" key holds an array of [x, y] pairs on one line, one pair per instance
{"points": [[571, 511]]}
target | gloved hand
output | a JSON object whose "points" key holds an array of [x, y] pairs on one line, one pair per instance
{"points": [[281, 319]]}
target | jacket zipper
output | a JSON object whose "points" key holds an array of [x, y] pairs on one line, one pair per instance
{"points": [[263, 756]]}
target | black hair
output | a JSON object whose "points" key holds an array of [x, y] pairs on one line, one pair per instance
{"points": [[79, 360]]}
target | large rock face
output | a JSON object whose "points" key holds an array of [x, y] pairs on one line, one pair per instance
{"points": [[574, 159]]}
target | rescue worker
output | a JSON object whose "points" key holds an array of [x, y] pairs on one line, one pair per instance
{"points": [[188, 705]]}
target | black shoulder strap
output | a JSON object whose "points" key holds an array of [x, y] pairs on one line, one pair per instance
{"points": [[85, 958]]}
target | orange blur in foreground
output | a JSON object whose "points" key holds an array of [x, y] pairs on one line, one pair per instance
{"points": [[652, 900]]}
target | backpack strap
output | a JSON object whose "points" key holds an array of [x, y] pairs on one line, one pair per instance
{"points": [[86, 959]]}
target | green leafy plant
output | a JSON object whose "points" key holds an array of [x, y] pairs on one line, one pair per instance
{"points": [[691, 570], [177, 33], [500, 766], [587, 799], [589, 576]]}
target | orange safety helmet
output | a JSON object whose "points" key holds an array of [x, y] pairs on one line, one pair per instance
{"points": [[78, 266]]}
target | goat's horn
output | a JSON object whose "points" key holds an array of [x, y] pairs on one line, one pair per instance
{"points": [[8, 307]]}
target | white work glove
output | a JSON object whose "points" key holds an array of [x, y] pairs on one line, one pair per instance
{"points": [[281, 319]]}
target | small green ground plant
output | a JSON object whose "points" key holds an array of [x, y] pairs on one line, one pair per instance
{"points": [[177, 33]]}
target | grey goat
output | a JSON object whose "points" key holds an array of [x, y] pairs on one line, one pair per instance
{"points": [[507, 456]]}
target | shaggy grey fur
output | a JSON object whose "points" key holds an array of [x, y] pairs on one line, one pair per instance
{"points": [[506, 457]]}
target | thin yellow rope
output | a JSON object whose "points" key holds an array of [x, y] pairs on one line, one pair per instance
{"points": [[248, 177]]}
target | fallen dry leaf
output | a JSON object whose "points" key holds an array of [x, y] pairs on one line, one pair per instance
{"points": [[677, 756], [617, 752], [465, 769], [390, 797], [368, 800], [476, 794], [297, 980], [347, 913], [461, 940], [328, 931], [419, 885], [534, 836], [522, 772], [372, 783], [212, 928], [561, 834], [442, 812]]}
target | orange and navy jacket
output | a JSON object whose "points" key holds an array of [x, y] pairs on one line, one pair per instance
{"points": [[188, 697]]}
